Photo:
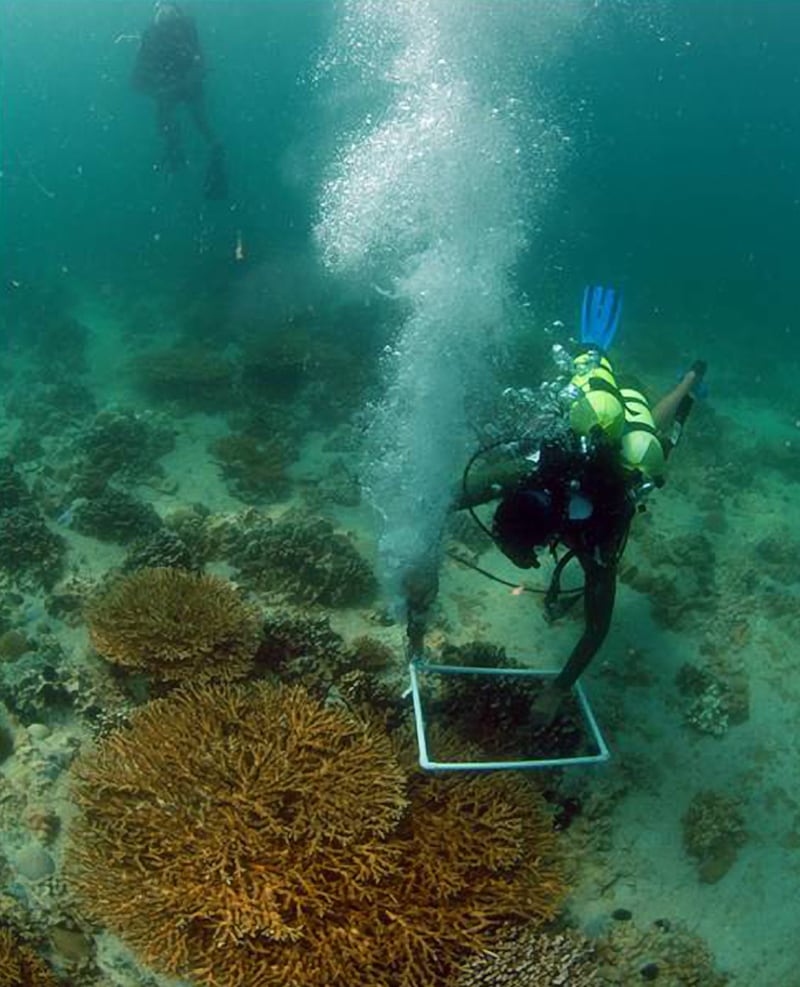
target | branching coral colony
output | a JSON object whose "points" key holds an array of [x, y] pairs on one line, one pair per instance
{"points": [[175, 625], [243, 836], [20, 966]]}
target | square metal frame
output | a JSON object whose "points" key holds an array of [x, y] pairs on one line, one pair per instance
{"points": [[417, 667]]}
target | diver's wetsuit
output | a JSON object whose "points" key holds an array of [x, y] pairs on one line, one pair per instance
{"points": [[574, 493], [169, 62], [170, 68]]}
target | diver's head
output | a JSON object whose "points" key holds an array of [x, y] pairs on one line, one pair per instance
{"points": [[523, 522], [165, 11]]}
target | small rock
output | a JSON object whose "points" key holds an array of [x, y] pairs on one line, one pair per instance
{"points": [[6, 743], [38, 731], [13, 644], [34, 863], [71, 944], [163, 484]]}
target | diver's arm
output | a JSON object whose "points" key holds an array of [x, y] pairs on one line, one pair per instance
{"points": [[600, 587], [146, 69], [492, 481], [191, 44]]}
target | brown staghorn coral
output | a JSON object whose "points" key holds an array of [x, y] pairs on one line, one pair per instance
{"points": [[478, 852], [175, 624], [19, 965], [255, 837], [224, 820]]}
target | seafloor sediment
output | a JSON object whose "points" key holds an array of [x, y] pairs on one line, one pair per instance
{"points": [[194, 520]]}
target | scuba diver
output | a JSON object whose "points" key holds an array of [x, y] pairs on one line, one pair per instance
{"points": [[576, 487], [170, 67]]}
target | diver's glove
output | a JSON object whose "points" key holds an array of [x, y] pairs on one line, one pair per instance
{"points": [[699, 389], [546, 706], [687, 392], [600, 314]]}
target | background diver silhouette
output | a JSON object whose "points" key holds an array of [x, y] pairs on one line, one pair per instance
{"points": [[170, 68], [578, 490]]}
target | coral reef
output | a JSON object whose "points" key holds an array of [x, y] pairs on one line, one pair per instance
{"points": [[255, 468], [121, 444], [29, 552], [35, 685], [304, 559], [252, 836], [114, 516], [13, 492], [369, 696], [664, 953], [369, 654], [713, 700], [713, 832], [191, 524], [531, 957], [162, 550], [264, 420], [679, 576], [303, 648], [190, 374], [278, 364], [20, 966], [45, 685], [58, 342], [68, 597], [329, 370], [175, 625], [51, 408], [26, 446], [13, 644], [339, 485], [290, 634], [493, 713]]}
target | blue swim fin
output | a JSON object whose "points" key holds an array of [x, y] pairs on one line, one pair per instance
{"points": [[600, 314]]}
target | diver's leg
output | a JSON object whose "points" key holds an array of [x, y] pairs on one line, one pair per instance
{"points": [[197, 107], [664, 411], [170, 133], [215, 185], [600, 586]]}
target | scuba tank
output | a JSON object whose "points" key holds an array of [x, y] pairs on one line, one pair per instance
{"points": [[598, 401], [622, 413], [641, 447]]}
